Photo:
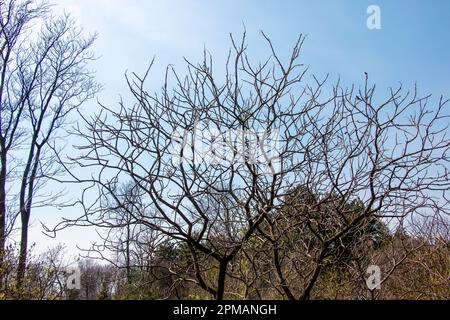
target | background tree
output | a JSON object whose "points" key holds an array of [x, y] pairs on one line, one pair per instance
{"points": [[16, 20], [128, 246]]}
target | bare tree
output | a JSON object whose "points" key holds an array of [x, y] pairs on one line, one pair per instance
{"points": [[131, 244], [16, 19], [44, 77], [186, 196], [366, 159], [216, 162]]}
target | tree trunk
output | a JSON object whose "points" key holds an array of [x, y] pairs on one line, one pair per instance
{"points": [[276, 260], [306, 295], [127, 253], [221, 280], [26, 199], [23, 253]]}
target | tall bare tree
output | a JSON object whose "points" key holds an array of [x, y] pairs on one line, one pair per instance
{"points": [[16, 19], [45, 76]]}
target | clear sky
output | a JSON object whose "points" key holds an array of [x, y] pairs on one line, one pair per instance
{"points": [[411, 46]]}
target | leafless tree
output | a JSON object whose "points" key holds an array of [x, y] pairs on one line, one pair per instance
{"points": [[216, 162], [125, 244], [16, 19], [44, 77]]}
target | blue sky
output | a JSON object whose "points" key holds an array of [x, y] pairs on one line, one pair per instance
{"points": [[412, 46]]}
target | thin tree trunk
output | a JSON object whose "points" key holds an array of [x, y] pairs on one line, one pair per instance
{"points": [[23, 253], [26, 198], [128, 263], [276, 259], [306, 295]]}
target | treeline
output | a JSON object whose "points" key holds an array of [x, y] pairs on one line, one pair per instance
{"points": [[144, 265]]}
